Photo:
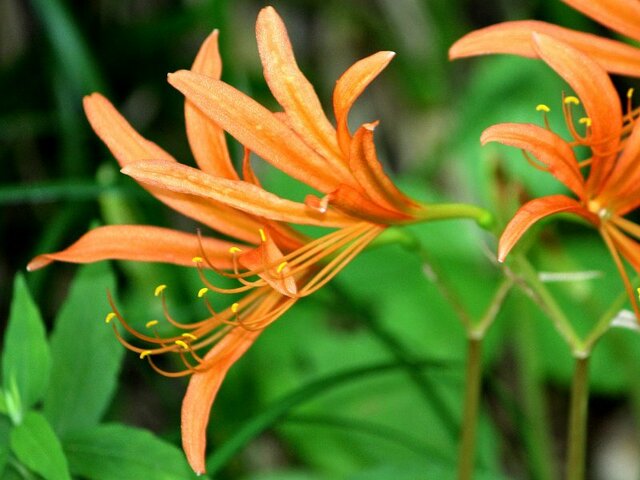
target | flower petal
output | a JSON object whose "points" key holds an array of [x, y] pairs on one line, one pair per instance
{"points": [[256, 128], [367, 169], [202, 390], [350, 86], [546, 146], [141, 244], [294, 92], [207, 139], [623, 16], [359, 205], [515, 38], [535, 210], [601, 102], [244, 196], [128, 146]]}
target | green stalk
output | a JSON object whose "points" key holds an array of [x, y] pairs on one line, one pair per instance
{"points": [[467, 451], [577, 436], [447, 211]]}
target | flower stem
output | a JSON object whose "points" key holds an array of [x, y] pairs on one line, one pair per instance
{"points": [[467, 451], [445, 211], [577, 435]]}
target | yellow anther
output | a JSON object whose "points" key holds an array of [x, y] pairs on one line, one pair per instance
{"points": [[630, 93], [202, 292], [151, 323], [190, 336], [196, 259], [110, 316], [638, 293], [281, 267], [234, 250], [542, 108], [234, 307], [144, 354], [571, 99], [159, 289], [182, 344], [263, 236], [585, 121]]}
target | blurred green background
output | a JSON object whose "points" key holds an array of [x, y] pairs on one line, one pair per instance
{"points": [[58, 179]]}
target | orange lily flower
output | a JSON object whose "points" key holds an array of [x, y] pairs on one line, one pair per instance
{"points": [[622, 16], [273, 264], [610, 188]]}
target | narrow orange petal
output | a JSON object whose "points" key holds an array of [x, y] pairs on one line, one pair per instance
{"points": [[364, 163], [359, 205], [535, 210], [207, 139], [139, 243], [244, 196], [202, 390], [623, 16], [601, 102], [546, 146], [256, 128], [294, 92], [515, 38], [350, 86], [125, 143], [268, 254]]}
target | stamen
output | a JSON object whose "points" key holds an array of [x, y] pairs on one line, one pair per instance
{"points": [[190, 336], [144, 353], [234, 250], [585, 121], [110, 316], [234, 307], [202, 292], [182, 344], [151, 323], [263, 237], [571, 99], [159, 289], [197, 260], [281, 267]]}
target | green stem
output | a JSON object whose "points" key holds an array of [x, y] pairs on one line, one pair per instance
{"points": [[577, 437], [446, 211], [467, 451]]}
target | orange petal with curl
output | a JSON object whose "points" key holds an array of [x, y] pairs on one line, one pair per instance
{"points": [[128, 146], [207, 139], [364, 163], [202, 390], [141, 244], [359, 205], [535, 210], [244, 196], [515, 38], [256, 128], [623, 16], [601, 102], [294, 92], [350, 86], [550, 149], [268, 258]]}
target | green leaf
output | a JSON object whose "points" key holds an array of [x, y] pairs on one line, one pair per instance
{"points": [[5, 430], [25, 358], [114, 452], [35, 444], [86, 357]]}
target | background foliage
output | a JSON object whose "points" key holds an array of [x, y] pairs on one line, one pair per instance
{"points": [[362, 381]]}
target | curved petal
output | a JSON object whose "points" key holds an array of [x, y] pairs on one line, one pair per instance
{"points": [[139, 243], [350, 86], [207, 139], [623, 16], [535, 210], [202, 390], [294, 92], [367, 169], [601, 102], [237, 194], [546, 146], [256, 128], [128, 146], [515, 38]]}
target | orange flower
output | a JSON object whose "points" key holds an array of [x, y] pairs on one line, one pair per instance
{"points": [[273, 264], [610, 187], [622, 16]]}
